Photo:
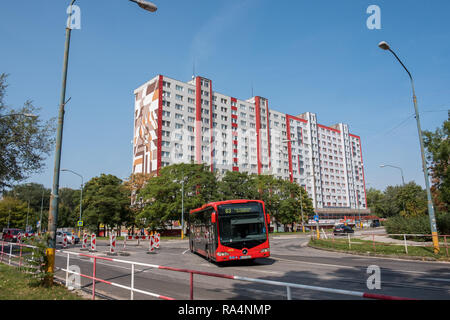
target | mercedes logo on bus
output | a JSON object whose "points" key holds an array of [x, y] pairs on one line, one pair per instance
{"points": [[244, 251]]}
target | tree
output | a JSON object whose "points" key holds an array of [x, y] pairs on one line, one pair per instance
{"points": [[413, 200], [162, 198], [375, 200], [37, 195], [438, 154], [282, 199], [134, 185], [237, 185], [24, 141], [290, 211], [105, 201], [14, 211], [69, 208]]}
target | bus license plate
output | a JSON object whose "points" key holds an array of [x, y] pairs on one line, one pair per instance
{"points": [[245, 257]]}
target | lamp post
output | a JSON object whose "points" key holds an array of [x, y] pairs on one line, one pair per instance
{"points": [[182, 209], [385, 46], [53, 211], [403, 179], [314, 184], [401, 171], [81, 196]]}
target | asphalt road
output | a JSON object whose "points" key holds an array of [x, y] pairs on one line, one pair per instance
{"points": [[290, 261]]}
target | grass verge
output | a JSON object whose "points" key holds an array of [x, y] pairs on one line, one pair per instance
{"points": [[380, 248], [16, 285]]}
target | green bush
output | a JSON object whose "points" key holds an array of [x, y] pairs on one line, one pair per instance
{"points": [[443, 223], [410, 225]]}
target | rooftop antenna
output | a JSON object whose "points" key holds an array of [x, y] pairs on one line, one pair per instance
{"points": [[252, 90], [193, 70]]}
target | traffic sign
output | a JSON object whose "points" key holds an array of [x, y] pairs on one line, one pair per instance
{"points": [[80, 223], [316, 218]]}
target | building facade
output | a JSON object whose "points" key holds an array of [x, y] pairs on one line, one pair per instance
{"points": [[177, 122]]}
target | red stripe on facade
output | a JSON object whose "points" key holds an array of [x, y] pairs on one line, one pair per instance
{"points": [[258, 128], [288, 128], [234, 134], [328, 128], [160, 111], [211, 125], [198, 123], [297, 118], [362, 167], [268, 134]]}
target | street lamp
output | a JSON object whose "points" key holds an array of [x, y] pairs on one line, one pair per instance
{"points": [[388, 165], [385, 46], [81, 197], [53, 212]]}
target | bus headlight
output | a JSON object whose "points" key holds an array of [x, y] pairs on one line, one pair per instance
{"points": [[265, 250], [222, 254]]}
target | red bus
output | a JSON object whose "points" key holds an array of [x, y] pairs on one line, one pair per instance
{"points": [[230, 230]]}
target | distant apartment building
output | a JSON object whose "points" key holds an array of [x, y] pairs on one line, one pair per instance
{"points": [[177, 122]]}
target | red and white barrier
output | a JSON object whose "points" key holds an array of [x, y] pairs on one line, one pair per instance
{"points": [[93, 243], [112, 245], [84, 246], [64, 240], [151, 247], [157, 240], [19, 237]]}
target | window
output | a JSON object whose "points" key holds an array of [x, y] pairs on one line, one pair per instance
{"points": [[179, 97], [179, 88]]}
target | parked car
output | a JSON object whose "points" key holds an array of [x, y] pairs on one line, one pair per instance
{"points": [[60, 237], [10, 235], [375, 224], [342, 229]]}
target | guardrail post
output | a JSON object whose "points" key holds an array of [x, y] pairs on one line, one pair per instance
{"points": [[191, 278], [132, 281], [289, 297], [67, 270], [20, 256], [10, 253], [406, 246]]}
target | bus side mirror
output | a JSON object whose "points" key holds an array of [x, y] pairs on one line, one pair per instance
{"points": [[213, 217]]}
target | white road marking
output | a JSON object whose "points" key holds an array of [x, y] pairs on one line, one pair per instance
{"points": [[348, 267], [185, 251]]}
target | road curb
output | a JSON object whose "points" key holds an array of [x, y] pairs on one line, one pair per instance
{"points": [[371, 254]]}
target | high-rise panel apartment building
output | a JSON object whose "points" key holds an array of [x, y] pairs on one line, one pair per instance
{"points": [[179, 121]]}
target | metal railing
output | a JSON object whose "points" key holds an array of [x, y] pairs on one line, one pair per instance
{"points": [[386, 240], [191, 273]]}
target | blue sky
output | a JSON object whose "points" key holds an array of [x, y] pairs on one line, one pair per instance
{"points": [[316, 56]]}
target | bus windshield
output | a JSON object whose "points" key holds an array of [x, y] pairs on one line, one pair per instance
{"points": [[241, 222]]}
